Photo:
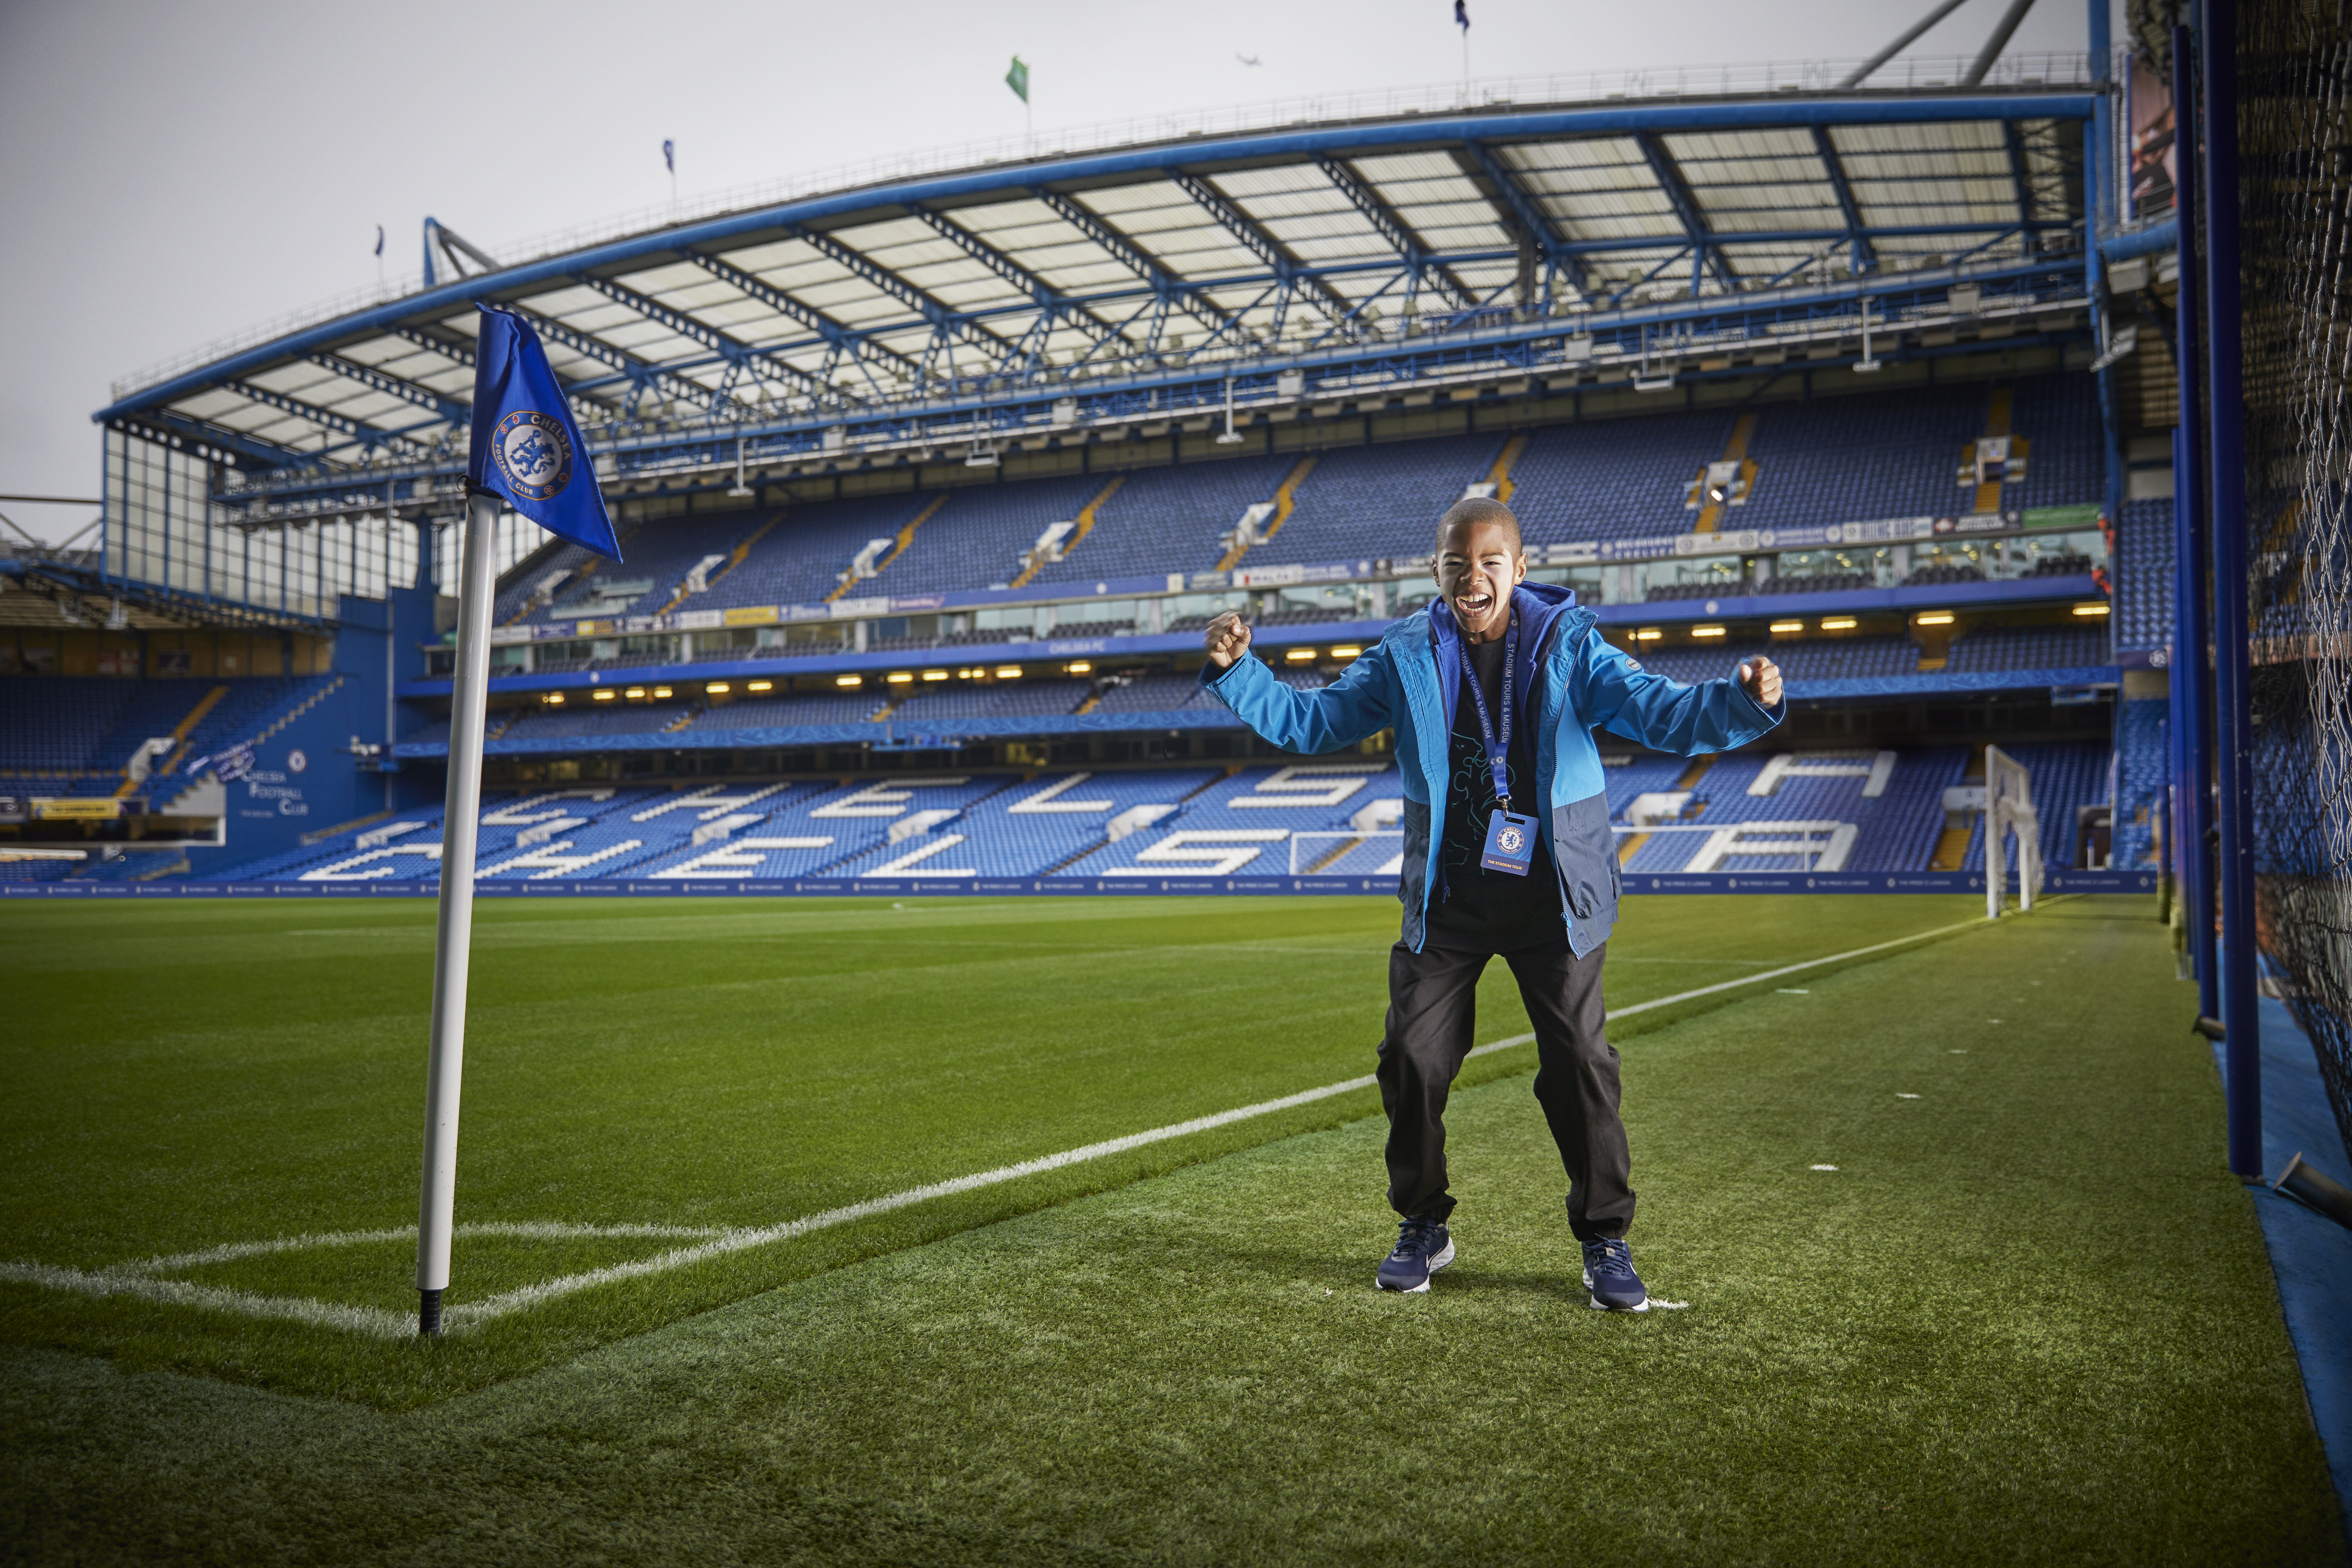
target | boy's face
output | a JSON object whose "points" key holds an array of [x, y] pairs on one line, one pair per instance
{"points": [[1477, 565]]}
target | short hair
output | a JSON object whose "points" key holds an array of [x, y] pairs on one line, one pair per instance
{"points": [[1480, 508]]}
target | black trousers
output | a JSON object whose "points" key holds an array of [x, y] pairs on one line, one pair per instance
{"points": [[1432, 1011]]}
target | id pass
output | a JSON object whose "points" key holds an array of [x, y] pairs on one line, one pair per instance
{"points": [[1510, 843]]}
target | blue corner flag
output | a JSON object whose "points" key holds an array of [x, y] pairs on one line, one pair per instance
{"points": [[526, 447]]}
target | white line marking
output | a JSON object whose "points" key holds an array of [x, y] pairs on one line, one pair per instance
{"points": [[136, 1278]]}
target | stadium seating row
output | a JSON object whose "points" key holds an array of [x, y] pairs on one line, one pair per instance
{"points": [[87, 728], [1830, 459], [1806, 810]]}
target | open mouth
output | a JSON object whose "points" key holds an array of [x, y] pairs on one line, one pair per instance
{"points": [[1474, 605]]}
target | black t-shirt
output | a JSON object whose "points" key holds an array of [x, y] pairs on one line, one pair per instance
{"points": [[1473, 906]]}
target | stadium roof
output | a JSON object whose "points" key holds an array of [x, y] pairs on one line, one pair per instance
{"points": [[1058, 290]]}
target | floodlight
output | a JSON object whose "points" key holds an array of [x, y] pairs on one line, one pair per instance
{"points": [[1715, 493], [1939, 618], [1080, 667], [1648, 634], [658, 692], [635, 691], [900, 678], [1787, 625], [1299, 654], [1347, 652], [935, 674], [555, 699], [849, 681], [2097, 609], [1008, 672], [717, 689], [1707, 631], [605, 695], [1839, 624], [760, 685]]}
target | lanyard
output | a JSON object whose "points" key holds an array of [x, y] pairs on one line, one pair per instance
{"points": [[1497, 750]]}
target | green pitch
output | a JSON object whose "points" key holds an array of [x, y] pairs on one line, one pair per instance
{"points": [[2026, 1316]]}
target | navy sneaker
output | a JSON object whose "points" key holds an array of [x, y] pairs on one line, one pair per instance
{"points": [[1609, 1275], [1423, 1247]]}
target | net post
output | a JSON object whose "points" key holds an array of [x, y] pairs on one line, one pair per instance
{"points": [[453, 938], [2233, 752], [2192, 714]]}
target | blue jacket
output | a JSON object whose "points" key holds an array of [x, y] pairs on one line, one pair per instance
{"points": [[1412, 680]]}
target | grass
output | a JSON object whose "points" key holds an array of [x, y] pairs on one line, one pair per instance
{"points": [[2028, 1318]]}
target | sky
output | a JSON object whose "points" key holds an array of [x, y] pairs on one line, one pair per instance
{"points": [[175, 175]]}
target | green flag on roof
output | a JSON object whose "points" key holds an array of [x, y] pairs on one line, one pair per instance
{"points": [[1017, 79]]}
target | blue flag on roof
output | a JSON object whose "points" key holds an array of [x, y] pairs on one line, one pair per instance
{"points": [[526, 447]]}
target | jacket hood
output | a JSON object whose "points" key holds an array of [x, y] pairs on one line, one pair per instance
{"points": [[1542, 608]]}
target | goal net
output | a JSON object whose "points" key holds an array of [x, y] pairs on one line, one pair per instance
{"points": [[2008, 813]]}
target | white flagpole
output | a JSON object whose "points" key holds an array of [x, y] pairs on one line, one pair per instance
{"points": [[453, 942]]}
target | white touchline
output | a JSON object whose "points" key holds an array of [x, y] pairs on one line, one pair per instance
{"points": [[138, 1278]]}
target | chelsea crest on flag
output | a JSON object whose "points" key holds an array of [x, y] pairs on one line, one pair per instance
{"points": [[526, 446]]}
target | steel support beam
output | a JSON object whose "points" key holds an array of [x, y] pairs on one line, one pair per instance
{"points": [[1275, 256], [457, 411], [2190, 672], [366, 434], [1669, 176], [734, 351], [784, 305], [1865, 258], [947, 323], [267, 453], [2225, 414], [642, 375], [1393, 228]]}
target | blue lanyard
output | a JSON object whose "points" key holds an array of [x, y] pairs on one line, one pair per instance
{"points": [[1498, 752]]}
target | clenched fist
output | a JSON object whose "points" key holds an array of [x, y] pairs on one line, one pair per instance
{"points": [[1761, 679], [1228, 637]]}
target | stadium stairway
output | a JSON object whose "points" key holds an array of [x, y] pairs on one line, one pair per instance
{"points": [[1285, 502], [899, 544], [1037, 559], [179, 736]]}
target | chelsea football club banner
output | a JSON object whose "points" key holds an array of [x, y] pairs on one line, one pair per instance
{"points": [[526, 447]]}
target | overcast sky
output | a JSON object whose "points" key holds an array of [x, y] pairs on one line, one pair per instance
{"points": [[176, 173]]}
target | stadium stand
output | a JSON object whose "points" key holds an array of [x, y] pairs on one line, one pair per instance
{"points": [[2144, 568], [1364, 503], [1619, 480], [1241, 825], [1168, 520], [813, 708], [1893, 830], [979, 536], [1860, 458], [800, 561], [1847, 659], [1010, 696], [1032, 826], [2141, 780], [2030, 648], [2059, 415]]}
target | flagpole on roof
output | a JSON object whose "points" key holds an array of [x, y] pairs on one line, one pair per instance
{"points": [[454, 935]]}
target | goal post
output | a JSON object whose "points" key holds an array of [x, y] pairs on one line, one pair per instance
{"points": [[2009, 809]]}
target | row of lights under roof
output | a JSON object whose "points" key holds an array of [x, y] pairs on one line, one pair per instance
{"points": [[1837, 624], [907, 676]]}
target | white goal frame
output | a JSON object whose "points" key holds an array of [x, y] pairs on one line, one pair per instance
{"points": [[2009, 809]]}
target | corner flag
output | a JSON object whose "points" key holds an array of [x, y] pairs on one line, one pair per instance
{"points": [[1017, 79], [526, 447]]}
